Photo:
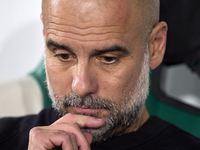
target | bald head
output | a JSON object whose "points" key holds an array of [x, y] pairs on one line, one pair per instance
{"points": [[97, 49], [146, 10], [149, 13]]}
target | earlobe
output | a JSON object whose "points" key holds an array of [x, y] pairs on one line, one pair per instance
{"points": [[157, 44]]}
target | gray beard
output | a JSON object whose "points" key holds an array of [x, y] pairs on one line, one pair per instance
{"points": [[120, 117]]}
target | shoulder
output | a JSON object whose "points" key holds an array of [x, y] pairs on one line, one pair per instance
{"points": [[45, 117], [16, 129], [174, 137]]}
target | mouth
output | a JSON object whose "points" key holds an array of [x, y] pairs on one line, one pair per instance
{"points": [[86, 110]]}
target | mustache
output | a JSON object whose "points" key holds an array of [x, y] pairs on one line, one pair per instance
{"points": [[87, 102]]}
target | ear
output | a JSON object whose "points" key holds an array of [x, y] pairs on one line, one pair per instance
{"points": [[157, 44], [41, 18]]}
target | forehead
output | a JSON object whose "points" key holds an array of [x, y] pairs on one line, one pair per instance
{"points": [[90, 12], [91, 20]]}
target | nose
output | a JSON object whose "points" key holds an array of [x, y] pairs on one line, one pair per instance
{"points": [[84, 80]]}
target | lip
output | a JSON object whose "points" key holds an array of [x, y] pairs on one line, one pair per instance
{"points": [[85, 110]]}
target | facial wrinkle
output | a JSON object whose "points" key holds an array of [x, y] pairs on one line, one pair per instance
{"points": [[106, 12], [89, 38], [85, 31], [121, 116]]}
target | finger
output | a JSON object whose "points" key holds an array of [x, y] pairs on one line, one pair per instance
{"points": [[73, 141], [42, 139], [89, 137], [73, 128], [81, 120], [72, 123]]}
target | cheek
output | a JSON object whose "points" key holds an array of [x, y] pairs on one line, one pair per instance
{"points": [[118, 85], [58, 79]]}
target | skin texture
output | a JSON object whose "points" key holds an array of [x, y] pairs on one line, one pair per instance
{"points": [[78, 35], [118, 117]]}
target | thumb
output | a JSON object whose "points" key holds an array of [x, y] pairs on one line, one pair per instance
{"points": [[88, 136]]}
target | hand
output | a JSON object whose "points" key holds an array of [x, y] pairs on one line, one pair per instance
{"points": [[65, 132]]}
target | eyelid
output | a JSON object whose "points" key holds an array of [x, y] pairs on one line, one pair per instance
{"points": [[61, 56], [115, 59], [64, 52], [56, 55], [61, 51]]}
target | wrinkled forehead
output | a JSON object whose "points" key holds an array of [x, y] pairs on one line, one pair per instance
{"points": [[91, 12]]}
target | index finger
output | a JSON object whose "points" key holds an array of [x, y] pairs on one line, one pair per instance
{"points": [[81, 120]]}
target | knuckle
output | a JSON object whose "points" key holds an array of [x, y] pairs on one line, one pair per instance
{"points": [[35, 132], [72, 127], [65, 135], [73, 136], [75, 125]]}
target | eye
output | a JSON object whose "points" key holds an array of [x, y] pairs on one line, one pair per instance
{"points": [[107, 59], [64, 57]]}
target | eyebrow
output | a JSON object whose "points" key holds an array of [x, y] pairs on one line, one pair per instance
{"points": [[52, 44], [115, 48]]}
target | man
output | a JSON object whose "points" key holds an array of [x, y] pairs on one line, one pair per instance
{"points": [[98, 55]]}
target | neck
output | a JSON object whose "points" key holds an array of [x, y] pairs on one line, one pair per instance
{"points": [[144, 117]]}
